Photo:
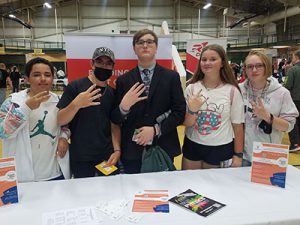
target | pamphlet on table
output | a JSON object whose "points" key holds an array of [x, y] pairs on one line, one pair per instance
{"points": [[152, 201], [8, 181], [269, 163], [76, 216], [197, 203]]}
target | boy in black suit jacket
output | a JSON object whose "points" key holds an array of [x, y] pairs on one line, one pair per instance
{"points": [[143, 94]]}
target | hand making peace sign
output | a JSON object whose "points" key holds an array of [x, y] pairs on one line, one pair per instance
{"points": [[259, 110], [195, 101], [35, 101]]}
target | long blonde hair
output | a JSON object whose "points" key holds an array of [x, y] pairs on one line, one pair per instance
{"points": [[226, 73]]}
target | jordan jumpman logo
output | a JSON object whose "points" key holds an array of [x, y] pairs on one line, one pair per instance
{"points": [[41, 128]]}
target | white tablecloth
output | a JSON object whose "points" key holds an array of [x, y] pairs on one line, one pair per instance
{"points": [[247, 203]]}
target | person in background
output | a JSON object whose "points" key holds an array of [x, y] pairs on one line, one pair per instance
{"points": [[15, 78], [269, 108], [28, 126], [4, 79], [143, 94], [55, 73], [236, 70], [289, 64], [60, 74], [214, 117], [86, 106], [281, 70], [293, 85]]}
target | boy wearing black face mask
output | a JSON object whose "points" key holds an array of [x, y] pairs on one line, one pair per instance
{"points": [[86, 106]]}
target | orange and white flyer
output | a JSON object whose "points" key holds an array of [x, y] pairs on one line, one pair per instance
{"points": [[8, 181], [269, 163], [151, 201]]}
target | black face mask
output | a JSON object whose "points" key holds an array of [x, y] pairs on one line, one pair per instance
{"points": [[102, 74]]}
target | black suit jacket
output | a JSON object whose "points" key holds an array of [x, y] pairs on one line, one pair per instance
{"points": [[165, 94]]}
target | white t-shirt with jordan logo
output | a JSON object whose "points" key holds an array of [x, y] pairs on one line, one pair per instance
{"points": [[223, 106], [44, 132]]}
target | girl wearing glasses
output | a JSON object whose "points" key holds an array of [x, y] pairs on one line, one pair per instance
{"points": [[269, 109], [214, 117]]}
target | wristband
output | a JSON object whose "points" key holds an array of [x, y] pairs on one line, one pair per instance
{"points": [[154, 131], [117, 150], [238, 154], [271, 118], [191, 112]]}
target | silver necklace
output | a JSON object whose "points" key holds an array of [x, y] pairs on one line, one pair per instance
{"points": [[254, 94], [253, 97], [209, 89]]}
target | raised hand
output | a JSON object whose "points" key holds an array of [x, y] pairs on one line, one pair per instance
{"points": [[133, 96], [87, 98], [35, 101], [196, 101], [259, 109]]}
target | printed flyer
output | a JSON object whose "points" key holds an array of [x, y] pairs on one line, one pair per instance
{"points": [[8, 181], [197, 203], [151, 201], [269, 164]]}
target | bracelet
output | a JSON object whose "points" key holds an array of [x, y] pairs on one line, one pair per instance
{"points": [[271, 118], [154, 131], [117, 150], [191, 112], [238, 154]]}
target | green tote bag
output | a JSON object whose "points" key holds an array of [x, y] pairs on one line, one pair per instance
{"points": [[155, 159]]}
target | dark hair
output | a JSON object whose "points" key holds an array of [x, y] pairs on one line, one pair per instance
{"points": [[226, 73], [141, 33], [30, 63], [264, 58], [297, 54]]}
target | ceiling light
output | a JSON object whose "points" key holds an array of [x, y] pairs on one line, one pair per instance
{"points": [[281, 46], [207, 6], [47, 5], [12, 16]]}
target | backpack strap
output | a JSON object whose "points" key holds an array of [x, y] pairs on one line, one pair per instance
{"points": [[231, 94]]}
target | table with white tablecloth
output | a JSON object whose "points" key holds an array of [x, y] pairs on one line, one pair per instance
{"points": [[246, 202]]}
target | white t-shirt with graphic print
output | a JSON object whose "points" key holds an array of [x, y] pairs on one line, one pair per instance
{"points": [[224, 106], [44, 132]]}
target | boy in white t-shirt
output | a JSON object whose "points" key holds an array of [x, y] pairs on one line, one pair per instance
{"points": [[28, 125]]}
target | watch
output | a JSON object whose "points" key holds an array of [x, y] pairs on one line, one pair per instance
{"points": [[239, 154]]}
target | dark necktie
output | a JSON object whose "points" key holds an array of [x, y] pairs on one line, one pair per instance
{"points": [[147, 80]]}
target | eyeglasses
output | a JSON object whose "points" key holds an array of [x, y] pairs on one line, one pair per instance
{"points": [[258, 66], [142, 42]]}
